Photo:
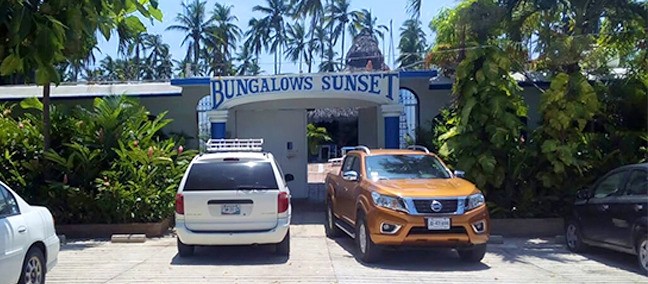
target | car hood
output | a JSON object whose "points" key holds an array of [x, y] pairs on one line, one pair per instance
{"points": [[426, 187]]}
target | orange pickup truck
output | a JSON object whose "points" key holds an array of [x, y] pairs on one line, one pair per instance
{"points": [[387, 198]]}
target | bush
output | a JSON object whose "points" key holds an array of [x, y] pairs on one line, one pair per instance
{"points": [[107, 164]]}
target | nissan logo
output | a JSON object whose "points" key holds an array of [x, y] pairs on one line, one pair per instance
{"points": [[436, 206]]}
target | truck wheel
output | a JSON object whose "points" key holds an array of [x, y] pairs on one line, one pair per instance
{"points": [[185, 250], [332, 231], [33, 270], [473, 254], [642, 253], [368, 251], [574, 237], [283, 248]]}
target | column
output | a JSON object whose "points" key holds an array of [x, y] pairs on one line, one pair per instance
{"points": [[218, 120], [391, 115]]}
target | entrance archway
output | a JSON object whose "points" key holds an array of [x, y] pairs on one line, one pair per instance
{"points": [[204, 127], [409, 117]]}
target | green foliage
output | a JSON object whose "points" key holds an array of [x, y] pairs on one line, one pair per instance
{"points": [[107, 164], [315, 136]]}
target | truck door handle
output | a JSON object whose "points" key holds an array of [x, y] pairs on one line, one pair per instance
{"points": [[22, 229], [638, 207]]}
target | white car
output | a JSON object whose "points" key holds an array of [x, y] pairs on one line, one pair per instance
{"points": [[29, 246], [235, 194]]}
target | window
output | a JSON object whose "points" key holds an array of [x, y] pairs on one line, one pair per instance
{"points": [[405, 167], [637, 183], [231, 176], [8, 204], [609, 185], [348, 163], [355, 166]]}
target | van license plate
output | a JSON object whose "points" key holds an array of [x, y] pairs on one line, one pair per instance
{"points": [[231, 209], [438, 223]]}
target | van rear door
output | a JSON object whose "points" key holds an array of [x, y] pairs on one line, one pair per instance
{"points": [[231, 195]]}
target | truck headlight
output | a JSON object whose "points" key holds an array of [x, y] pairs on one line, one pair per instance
{"points": [[390, 202], [474, 201]]}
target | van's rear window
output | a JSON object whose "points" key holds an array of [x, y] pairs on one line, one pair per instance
{"points": [[230, 176]]}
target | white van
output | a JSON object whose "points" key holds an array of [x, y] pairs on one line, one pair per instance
{"points": [[235, 194]]}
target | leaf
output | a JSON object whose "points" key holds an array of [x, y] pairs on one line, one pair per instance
{"points": [[11, 64], [31, 103], [156, 13], [134, 24]]}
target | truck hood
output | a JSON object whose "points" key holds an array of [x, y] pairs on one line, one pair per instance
{"points": [[426, 187]]}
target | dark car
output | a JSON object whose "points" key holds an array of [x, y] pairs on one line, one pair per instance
{"points": [[613, 214]]}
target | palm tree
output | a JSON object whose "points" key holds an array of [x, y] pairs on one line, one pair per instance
{"points": [[135, 43], [109, 69], [319, 42], [248, 65], [315, 10], [222, 36], [257, 37], [194, 22], [412, 43], [363, 19], [414, 8], [297, 46], [340, 14], [274, 19]]}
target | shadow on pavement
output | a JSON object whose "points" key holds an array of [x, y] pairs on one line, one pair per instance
{"points": [[79, 245], [307, 212], [415, 259], [524, 253], [231, 255]]}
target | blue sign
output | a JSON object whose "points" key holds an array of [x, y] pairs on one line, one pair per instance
{"points": [[374, 84]]}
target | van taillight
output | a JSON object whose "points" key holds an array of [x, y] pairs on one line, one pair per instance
{"points": [[283, 202], [179, 203]]}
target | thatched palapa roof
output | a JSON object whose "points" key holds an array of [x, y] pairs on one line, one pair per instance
{"points": [[365, 48]]}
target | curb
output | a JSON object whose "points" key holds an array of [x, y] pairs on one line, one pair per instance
{"points": [[128, 238]]}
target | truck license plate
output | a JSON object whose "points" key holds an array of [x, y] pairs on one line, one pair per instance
{"points": [[438, 223], [231, 209]]}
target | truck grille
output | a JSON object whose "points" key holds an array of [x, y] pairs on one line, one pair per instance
{"points": [[424, 205]]}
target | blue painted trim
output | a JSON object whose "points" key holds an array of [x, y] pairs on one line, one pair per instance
{"points": [[218, 130], [418, 74], [92, 97], [200, 81], [391, 132]]}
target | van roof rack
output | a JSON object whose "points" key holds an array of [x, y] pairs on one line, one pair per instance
{"points": [[234, 145], [362, 148], [418, 147]]}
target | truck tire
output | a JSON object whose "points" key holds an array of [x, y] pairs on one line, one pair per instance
{"points": [[332, 231], [368, 252], [474, 254]]}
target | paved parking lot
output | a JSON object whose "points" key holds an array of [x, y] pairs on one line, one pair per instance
{"points": [[316, 259]]}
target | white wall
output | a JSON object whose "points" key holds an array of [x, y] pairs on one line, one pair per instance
{"points": [[368, 127], [277, 127]]}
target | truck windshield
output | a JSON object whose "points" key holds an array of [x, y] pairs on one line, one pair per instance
{"points": [[405, 167], [231, 176]]}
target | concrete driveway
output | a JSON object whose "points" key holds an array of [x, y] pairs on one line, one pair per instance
{"points": [[316, 259]]}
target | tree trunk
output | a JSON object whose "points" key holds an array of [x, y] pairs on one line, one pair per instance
{"points": [[46, 117], [342, 52], [275, 62]]}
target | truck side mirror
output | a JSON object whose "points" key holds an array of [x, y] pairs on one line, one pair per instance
{"points": [[289, 177], [584, 194], [350, 176], [460, 174]]}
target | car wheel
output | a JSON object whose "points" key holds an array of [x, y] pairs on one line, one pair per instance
{"points": [[332, 231], [33, 270], [574, 238], [185, 250], [474, 254], [642, 253], [368, 251], [283, 248]]}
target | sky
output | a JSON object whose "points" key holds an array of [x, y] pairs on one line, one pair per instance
{"points": [[384, 10]]}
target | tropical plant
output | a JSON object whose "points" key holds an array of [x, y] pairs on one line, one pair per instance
{"points": [[315, 136], [314, 9], [412, 44], [364, 20], [272, 25], [45, 33], [247, 64], [297, 46], [221, 38], [340, 16], [194, 22]]}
